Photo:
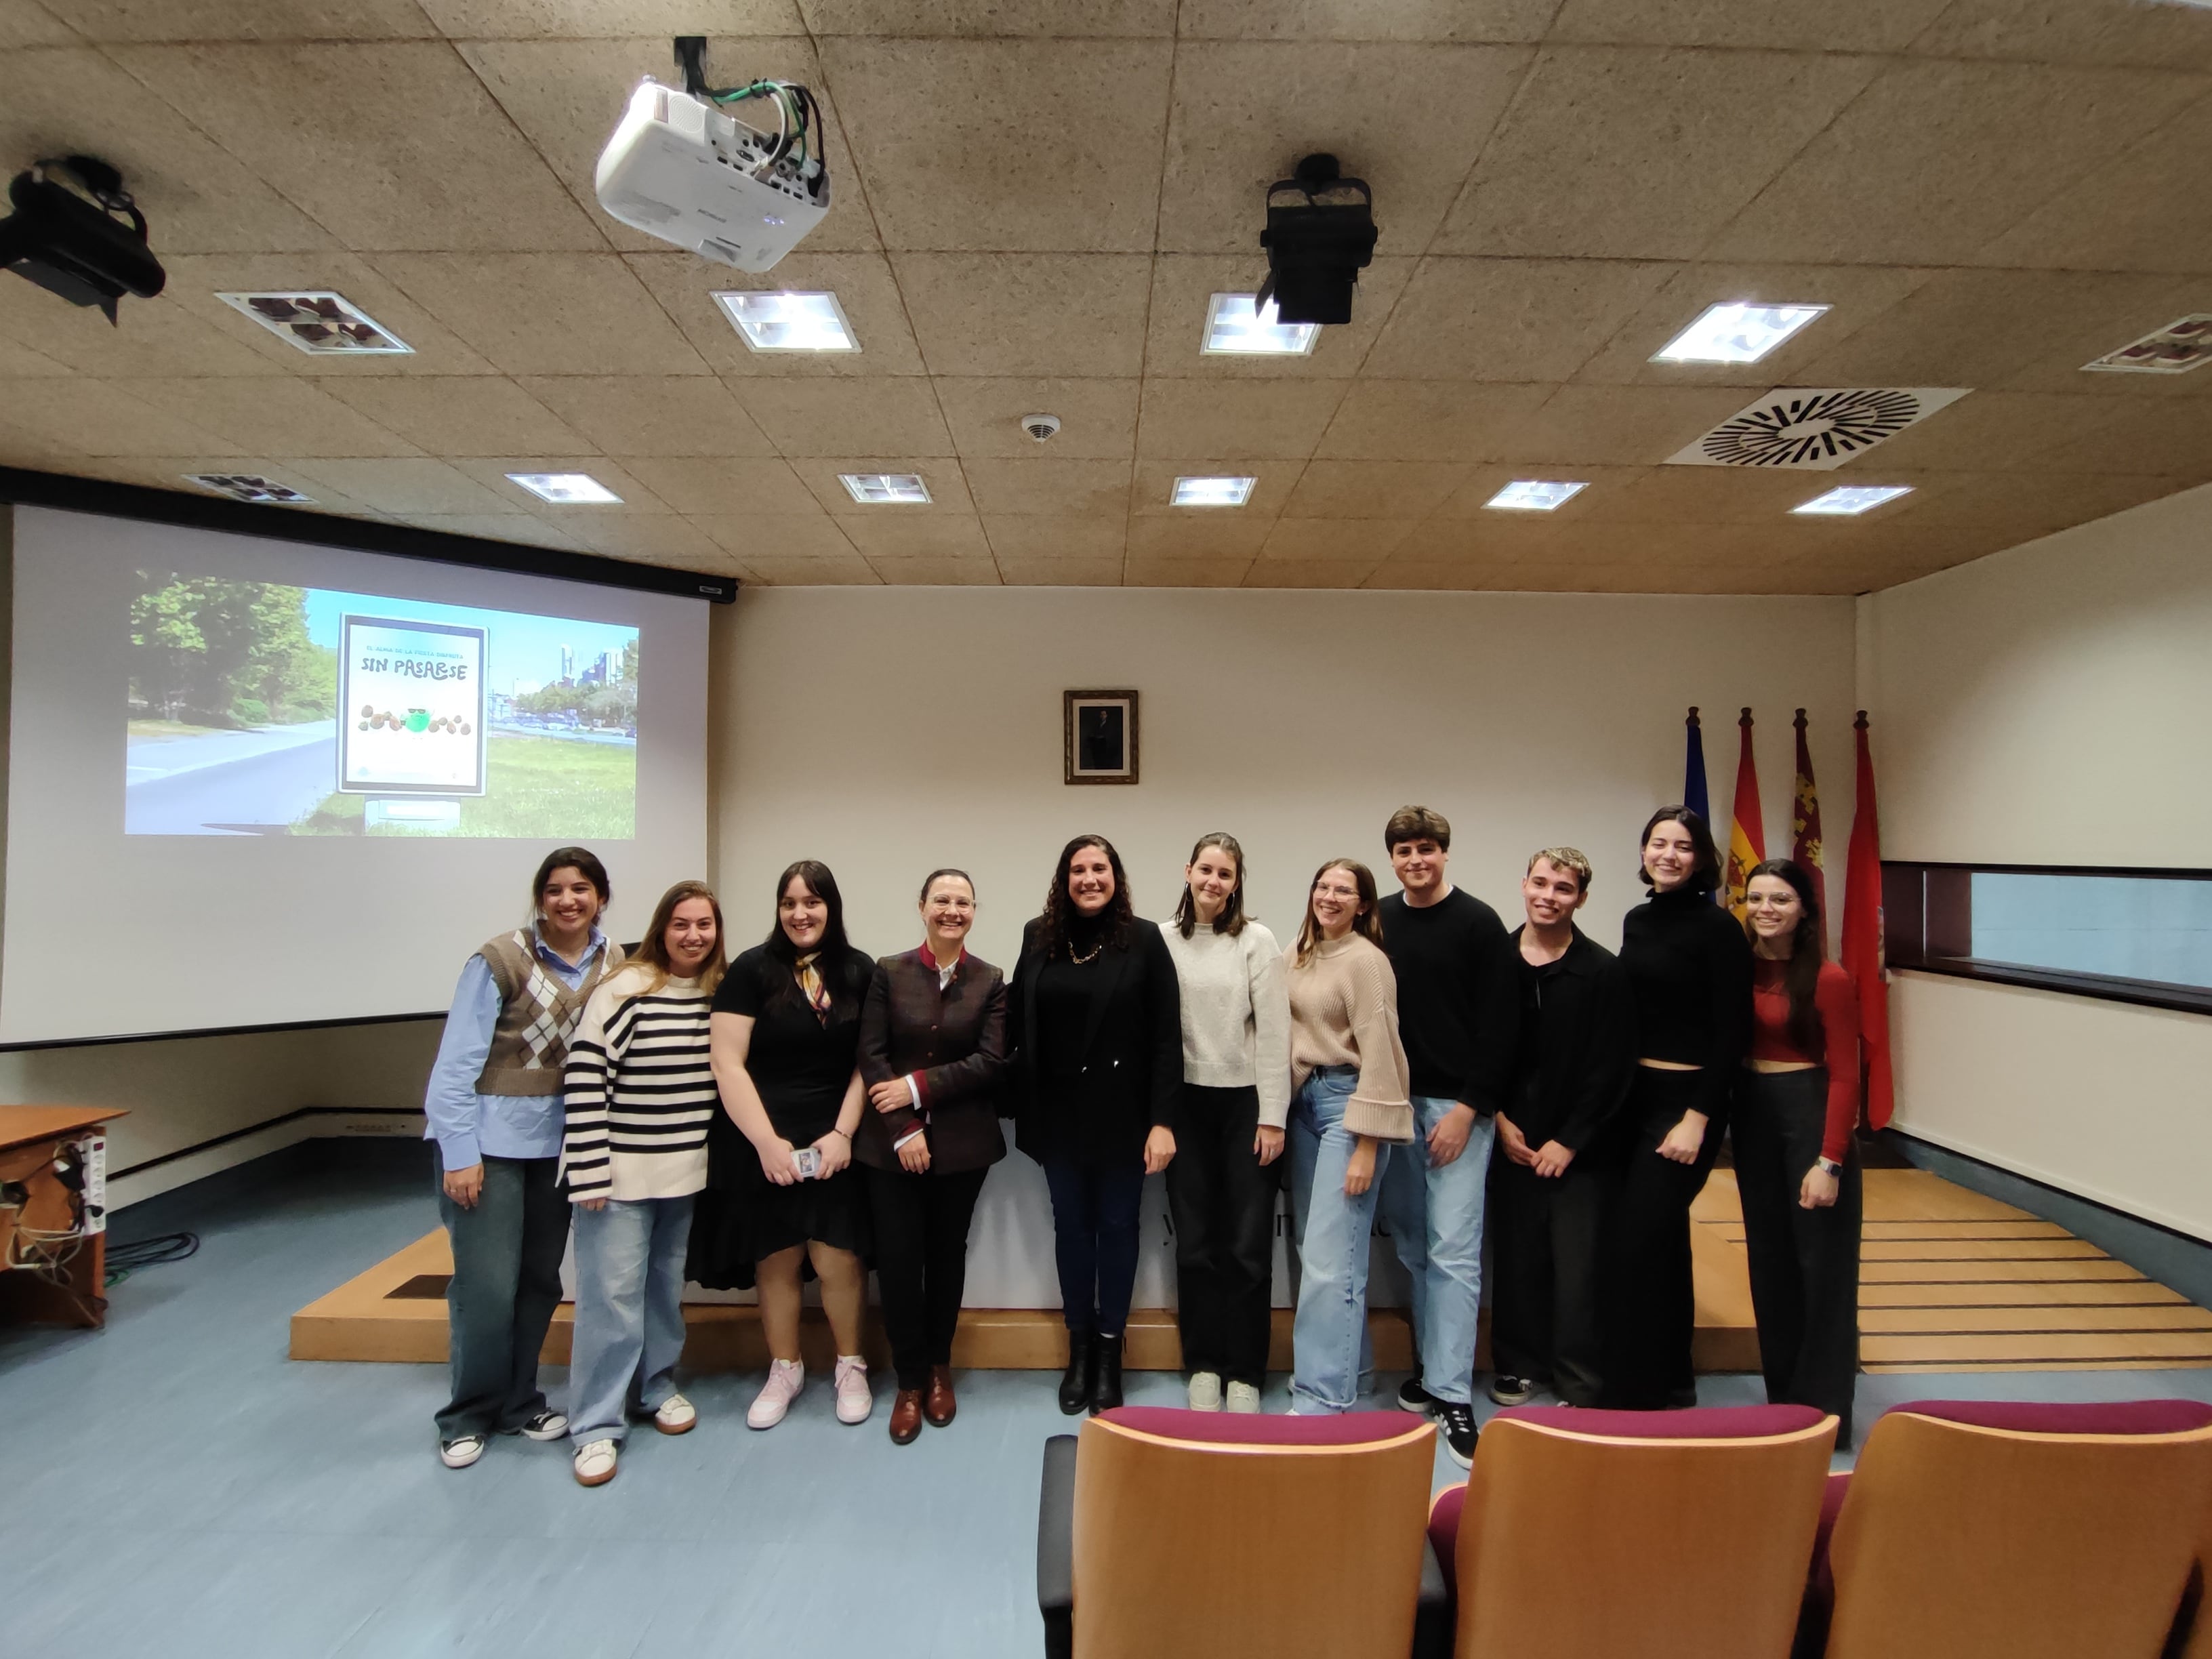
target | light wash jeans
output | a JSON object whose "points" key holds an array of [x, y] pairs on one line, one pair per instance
{"points": [[1328, 1337], [1434, 1218], [629, 1312]]}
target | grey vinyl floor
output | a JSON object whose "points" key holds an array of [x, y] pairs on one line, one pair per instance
{"points": [[174, 1487]]}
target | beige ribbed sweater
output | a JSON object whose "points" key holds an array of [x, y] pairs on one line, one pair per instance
{"points": [[1344, 1011]]}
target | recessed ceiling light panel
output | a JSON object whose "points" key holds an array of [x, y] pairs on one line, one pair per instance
{"points": [[2181, 345], [788, 322], [1211, 492], [885, 488], [1532, 496], [1849, 501], [1814, 428], [320, 322], [1735, 333], [566, 488], [1234, 328], [249, 487]]}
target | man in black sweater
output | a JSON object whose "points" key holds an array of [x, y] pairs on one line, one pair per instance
{"points": [[1458, 1015]]}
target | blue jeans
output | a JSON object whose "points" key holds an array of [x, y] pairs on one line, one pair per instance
{"points": [[1328, 1336], [1434, 1218], [629, 1312]]}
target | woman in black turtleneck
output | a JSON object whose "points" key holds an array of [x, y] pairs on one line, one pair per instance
{"points": [[1689, 970], [1095, 1015]]}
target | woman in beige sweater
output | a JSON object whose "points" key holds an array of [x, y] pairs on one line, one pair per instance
{"points": [[1349, 1106]]}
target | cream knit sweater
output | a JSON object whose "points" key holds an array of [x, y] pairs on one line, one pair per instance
{"points": [[1344, 1011], [1236, 1013]]}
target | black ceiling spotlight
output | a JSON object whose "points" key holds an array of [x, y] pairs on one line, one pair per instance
{"points": [[1315, 247], [75, 232]]}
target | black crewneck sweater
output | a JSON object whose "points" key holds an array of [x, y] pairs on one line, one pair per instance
{"points": [[1689, 967]]}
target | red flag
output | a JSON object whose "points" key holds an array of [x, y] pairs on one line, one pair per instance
{"points": [[1804, 822], [1746, 835], [1862, 945]]}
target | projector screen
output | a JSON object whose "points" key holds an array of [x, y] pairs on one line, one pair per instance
{"points": [[305, 782]]}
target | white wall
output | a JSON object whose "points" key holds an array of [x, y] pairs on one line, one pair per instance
{"points": [[2048, 705]]}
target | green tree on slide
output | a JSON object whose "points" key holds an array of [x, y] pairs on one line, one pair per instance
{"points": [[227, 653]]}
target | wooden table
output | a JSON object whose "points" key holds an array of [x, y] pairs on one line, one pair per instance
{"points": [[31, 1138]]}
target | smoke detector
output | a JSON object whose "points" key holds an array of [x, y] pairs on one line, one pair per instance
{"points": [[1041, 428], [1814, 429]]}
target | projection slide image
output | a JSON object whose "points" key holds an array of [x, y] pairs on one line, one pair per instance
{"points": [[256, 708]]}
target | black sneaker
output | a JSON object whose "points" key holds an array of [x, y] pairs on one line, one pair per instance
{"points": [[1507, 1390], [545, 1425], [1413, 1397], [1458, 1422]]}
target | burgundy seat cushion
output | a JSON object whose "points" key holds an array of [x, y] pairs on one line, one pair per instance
{"points": [[2088, 1417], [1238, 1429], [1699, 1422], [1444, 1530]]}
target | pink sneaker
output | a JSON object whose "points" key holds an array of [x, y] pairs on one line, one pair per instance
{"points": [[786, 1378], [855, 1401]]}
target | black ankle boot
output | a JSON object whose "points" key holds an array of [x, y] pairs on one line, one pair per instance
{"points": [[1106, 1390], [1081, 1377]]}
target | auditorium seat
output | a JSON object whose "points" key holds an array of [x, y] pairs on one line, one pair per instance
{"points": [[1164, 1532], [1664, 1534], [1977, 1529]]}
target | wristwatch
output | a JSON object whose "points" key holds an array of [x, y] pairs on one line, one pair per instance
{"points": [[1832, 1166]]}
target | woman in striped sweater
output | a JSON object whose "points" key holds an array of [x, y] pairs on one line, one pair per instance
{"points": [[638, 1093]]}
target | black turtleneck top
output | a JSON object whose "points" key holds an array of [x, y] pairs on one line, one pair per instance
{"points": [[1065, 989], [1689, 968]]}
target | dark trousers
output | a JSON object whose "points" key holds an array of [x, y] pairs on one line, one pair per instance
{"points": [[1094, 1241], [921, 1262], [1804, 1263], [506, 1284], [1654, 1311], [1223, 1205], [1547, 1274]]}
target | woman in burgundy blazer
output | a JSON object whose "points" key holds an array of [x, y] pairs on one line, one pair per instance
{"points": [[932, 1055]]}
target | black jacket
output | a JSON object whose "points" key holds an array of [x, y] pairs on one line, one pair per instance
{"points": [[954, 1041], [1130, 1071], [1577, 1050]]}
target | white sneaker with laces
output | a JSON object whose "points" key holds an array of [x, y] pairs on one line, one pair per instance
{"points": [[855, 1400], [1205, 1391], [461, 1450], [595, 1462], [548, 1424], [786, 1378], [676, 1415], [1243, 1398]]}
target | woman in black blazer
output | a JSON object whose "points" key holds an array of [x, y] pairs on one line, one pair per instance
{"points": [[933, 1054], [1095, 1015]]}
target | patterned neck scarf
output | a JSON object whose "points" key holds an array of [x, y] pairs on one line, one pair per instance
{"points": [[810, 984]]}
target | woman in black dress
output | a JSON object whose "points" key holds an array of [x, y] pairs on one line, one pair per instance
{"points": [[786, 1033], [1094, 1013]]}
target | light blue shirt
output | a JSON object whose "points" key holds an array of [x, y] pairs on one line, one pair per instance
{"points": [[468, 1126]]}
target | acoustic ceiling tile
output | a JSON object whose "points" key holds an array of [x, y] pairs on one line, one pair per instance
{"points": [[120, 21], [1258, 420], [1620, 426], [1334, 541], [1876, 25], [599, 20], [768, 571], [1214, 538], [2135, 211], [196, 279], [650, 539], [888, 416], [1071, 19], [1510, 319], [546, 314], [760, 537], [1097, 417], [1061, 573], [929, 572], [1996, 431], [99, 417], [461, 415], [1497, 21], [1372, 489], [494, 473], [1053, 314], [520, 528], [402, 486], [1067, 488], [157, 337], [2168, 37], [1310, 572], [1053, 538], [28, 23], [267, 415], [1183, 573], [948, 535], [660, 415], [718, 486], [1429, 420]]}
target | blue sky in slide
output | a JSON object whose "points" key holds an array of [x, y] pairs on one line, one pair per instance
{"points": [[523, 649]]}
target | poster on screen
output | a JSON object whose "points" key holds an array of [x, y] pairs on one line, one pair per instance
{"points": [[411, 706]]}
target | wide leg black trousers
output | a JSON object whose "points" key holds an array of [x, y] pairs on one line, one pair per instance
{"points": [[1547, 1274], [1654, 1311], [1222, 1202]]}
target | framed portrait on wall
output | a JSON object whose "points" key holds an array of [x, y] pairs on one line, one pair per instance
{"points": [[1101, 736]]}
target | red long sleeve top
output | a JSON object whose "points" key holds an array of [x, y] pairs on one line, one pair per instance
{"points": [[1839, 1007]]}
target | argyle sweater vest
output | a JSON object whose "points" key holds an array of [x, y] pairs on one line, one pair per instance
{"points": [[538, 1014]]}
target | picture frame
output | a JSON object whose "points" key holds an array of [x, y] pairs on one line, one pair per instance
{"points": [[1100, 734]]}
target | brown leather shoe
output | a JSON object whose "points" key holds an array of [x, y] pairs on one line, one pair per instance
{"points": [[940, 1405], [906, 1417]]}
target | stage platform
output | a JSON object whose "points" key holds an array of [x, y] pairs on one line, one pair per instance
{"points": [[1950, 1281]]}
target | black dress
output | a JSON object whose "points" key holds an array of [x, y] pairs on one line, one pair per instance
{"points": [[801, 1066]]}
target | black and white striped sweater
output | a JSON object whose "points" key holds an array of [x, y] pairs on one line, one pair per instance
{"points": [[639, 1090]]}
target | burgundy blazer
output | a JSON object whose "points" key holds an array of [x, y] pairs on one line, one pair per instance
{"points": [[953, 1042]]}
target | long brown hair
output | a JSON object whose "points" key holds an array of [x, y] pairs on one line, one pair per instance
{"points": [[652, 949], [1369, 925], [584, 861], [1232, 919], [1809, 949], [1059, 904]]}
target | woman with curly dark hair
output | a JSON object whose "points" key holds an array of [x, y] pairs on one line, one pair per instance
{"points": [[1095, 1016]]}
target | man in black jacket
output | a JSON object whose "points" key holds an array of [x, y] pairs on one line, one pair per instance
{"points": [[1561, 1171]]}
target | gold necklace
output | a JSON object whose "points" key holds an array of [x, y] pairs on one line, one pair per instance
{"points": [[1092, 956]]}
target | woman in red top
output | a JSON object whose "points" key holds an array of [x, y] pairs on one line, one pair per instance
{"points": [[1794, 1165]]}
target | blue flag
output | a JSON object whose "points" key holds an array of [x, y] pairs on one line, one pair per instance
{"points": [[1693, 770]]}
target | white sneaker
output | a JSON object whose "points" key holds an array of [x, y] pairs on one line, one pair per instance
{"points": [[855, 1401], [1206, 1391], [1243, 1398], [786, 1378], [595, 1462], [461, 1450], [548, 1424], [676, 1415]]}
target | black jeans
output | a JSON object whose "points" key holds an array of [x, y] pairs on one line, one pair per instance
{"points": [[1546, 1275], [506, 1284], [1223, 1205], [1095, 1212], [1654, 1303], [921, 1262], [1804, 1263]]}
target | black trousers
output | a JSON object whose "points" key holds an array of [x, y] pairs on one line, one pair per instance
{"points": [[1547, 1274], [1654, 1305], [1097, 1215], [1804, 1263], [1223, 1205], [921, 1262], [507, 1281]]}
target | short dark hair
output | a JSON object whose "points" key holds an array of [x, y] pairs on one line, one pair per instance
{"points": [[1232, 919], [1707, 876], [584, 861], [1417, 823], [930, 881]]}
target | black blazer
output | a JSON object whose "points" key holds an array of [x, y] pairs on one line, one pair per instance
{"points": [[1577, 1050], [954, 1042], [1130, 1071]]}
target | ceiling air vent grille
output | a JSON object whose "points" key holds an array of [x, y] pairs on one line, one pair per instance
{"points": [[1815, 429], [320, 322], [2182, 344], [249, 487]]}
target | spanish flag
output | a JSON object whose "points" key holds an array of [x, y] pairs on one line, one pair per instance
{"points": [[1746, 835], [1805, 822]]}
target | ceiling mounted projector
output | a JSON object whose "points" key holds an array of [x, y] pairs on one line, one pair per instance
{"points": [[75, 232], [1316, 246], [682, 168]]}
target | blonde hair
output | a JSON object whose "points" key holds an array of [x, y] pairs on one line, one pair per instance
{"points": [[1567, 857], [652, 952]]}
